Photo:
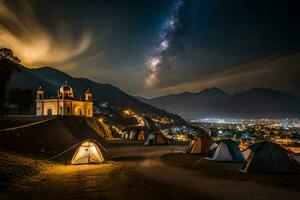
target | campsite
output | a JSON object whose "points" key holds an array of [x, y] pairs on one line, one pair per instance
{"points": [[139, 172], [127, 169], [149, 100]]}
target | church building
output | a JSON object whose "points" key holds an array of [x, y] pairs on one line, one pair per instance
{"points": [[64, 103]]}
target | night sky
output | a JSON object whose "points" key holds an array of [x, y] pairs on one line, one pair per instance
{"points": [[157, 47]]}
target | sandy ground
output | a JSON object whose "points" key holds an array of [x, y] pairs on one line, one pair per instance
{"points": [[136, 172]]}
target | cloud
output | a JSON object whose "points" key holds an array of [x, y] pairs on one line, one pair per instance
{"points": [[23, 32]]}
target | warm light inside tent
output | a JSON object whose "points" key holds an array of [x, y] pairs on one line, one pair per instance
{"points": [[87, 152]]}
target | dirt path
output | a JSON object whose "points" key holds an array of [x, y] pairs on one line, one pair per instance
{"points": [[137, 173], [212, 187], [152, 168]]}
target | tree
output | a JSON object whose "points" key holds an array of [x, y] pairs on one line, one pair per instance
{"points": [[23, 98], [6, 69], [6, 53]]}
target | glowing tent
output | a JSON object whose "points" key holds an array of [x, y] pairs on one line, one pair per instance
{"points": [[136, 135], [199, 145], [225, 150], [141, 136], [125, 135], [268, 157], [88, 152], [156, 138]]}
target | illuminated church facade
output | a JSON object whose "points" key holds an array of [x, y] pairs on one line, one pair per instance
{"points": [[64, 103]]}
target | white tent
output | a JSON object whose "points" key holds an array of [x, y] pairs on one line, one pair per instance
{"points": [[132, 135], [88, 152], [136, 135], [225, 150], [125, 135]]}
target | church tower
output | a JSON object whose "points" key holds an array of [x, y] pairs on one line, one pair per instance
{"points": [[88, 95], [40, 95], [88, 103]]}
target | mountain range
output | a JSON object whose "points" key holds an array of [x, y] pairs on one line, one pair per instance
{"points": [[213, 103], [208, 103], [52, 79]]}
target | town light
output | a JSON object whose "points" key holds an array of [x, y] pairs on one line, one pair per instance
{"points": [[127, 112], [101, 119]]}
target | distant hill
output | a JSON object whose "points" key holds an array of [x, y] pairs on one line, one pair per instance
{"points": [[254, 103], [51, 79]]}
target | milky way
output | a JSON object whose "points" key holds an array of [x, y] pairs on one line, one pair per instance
{"points": [[153, 64], [153, 47]]}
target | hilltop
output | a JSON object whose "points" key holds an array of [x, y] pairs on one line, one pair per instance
{"points": [[51, 79]]}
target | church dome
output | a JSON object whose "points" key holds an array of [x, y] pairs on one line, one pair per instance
{"points": [[66, 90]]}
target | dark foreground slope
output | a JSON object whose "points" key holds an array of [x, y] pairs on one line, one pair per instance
{"points": [[26, 148], [47, 138]]}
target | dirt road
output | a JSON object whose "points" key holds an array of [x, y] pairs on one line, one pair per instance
{"points": [[136, 172]]}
